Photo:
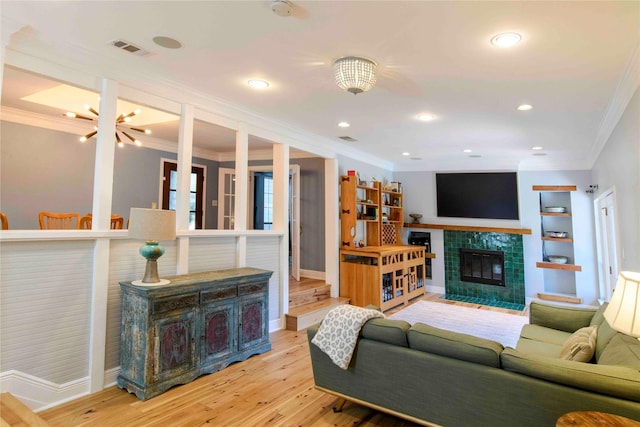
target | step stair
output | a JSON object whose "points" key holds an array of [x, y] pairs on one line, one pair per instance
{"points": [[303, 316], [15, 413], [307, 291]]}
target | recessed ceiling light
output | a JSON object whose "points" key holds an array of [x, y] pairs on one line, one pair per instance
{"points": [[467, 151], [167, 42], [425, 117], [506, 39], [525, 107], [406, 153], [537, 147], [258, 84], [344, 124]]}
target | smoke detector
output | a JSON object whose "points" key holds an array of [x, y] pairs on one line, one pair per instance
{"points": [[282, 7]]}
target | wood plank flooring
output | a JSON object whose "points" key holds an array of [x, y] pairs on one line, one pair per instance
{"points": [[272, 389]]}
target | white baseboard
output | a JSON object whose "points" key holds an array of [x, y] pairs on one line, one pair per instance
{"points": [[39, 394], [435, 289], [312, 274], [110, 376], [275, 325]]}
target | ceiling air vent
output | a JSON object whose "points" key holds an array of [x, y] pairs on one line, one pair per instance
{"points": [[125, 45], [347, 138]]}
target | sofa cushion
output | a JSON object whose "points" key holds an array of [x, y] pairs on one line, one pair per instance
{"points": [[581, 345], [568, 319], [539, 348], [622, 350], [618, 381], [546, 335], [386, 330], [605, 331], [454, 345]]}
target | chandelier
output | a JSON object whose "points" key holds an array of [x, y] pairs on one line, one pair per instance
{"points": [[122, 126], [355, 75]]}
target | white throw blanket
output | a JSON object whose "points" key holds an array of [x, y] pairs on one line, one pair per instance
{"points": [[338, 332]]}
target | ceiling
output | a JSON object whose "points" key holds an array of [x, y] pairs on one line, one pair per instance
{"points": [[433, 57]]}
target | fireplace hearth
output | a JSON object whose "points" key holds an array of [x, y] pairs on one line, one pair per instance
{"points": [[482, 266]]}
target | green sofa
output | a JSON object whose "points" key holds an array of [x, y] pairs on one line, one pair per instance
{"points": [[433, 376]]}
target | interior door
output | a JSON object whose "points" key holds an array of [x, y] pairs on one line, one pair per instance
{"points": [[196, 192], [226, 198], [606, 238]]}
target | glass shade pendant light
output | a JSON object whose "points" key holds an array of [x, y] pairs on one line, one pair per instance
{"points": [[354, 74]]}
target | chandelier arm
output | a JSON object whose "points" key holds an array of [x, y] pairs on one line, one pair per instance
{"points": [[128, 136]]}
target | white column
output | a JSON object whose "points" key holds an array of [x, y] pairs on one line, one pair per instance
{"points": [[185, 155], [242, 189], [331, 226], [281, 221], [102, 196]]}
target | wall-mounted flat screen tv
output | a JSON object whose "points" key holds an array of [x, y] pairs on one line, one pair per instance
{"points": [[491, 195]]}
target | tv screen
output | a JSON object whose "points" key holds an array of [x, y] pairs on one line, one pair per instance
{"points": [[492, 195]]}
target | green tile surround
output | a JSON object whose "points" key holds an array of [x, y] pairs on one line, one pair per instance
{"points": [[510, 244]]}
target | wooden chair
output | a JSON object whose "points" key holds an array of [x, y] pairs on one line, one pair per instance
{"points": [[59, 221], [85, 222], [4, 221], [116, 222]]}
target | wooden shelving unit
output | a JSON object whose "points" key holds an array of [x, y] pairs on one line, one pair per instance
{"points": [[556, 281], [384, 272]]}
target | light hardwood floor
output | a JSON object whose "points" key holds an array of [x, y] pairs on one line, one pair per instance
{"points": [[271, 389]]}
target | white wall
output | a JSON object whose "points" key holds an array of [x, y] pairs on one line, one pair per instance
{"points": [[618, 166]]}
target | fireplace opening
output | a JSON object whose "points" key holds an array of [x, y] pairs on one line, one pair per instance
{"points": [[482, 266]]}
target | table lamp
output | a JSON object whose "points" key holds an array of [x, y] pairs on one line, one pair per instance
{"points": [[623, 312], [152, 225]]}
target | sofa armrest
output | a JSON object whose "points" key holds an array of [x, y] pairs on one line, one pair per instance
{"points": [[562, 318]]}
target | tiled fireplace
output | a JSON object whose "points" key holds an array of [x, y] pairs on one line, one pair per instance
{"points": [[508, 290]]}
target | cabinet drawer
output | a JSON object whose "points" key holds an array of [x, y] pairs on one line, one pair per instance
{"points": [[251, 288], [174, 303], [218, 293]]}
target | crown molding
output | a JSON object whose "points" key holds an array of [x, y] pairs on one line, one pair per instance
{"points": [[627, 83]]}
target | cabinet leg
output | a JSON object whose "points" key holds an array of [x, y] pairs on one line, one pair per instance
{"points": [[339, 404]]}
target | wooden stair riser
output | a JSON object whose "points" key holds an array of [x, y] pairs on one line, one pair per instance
{"points": [[309, 314], [307, 296]]}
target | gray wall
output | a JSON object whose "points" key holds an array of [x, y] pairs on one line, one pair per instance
{"points": [[46, 170], [618, 165]]}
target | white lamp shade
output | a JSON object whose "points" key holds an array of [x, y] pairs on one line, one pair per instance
{"points": [[152, 224], [623, 312]]}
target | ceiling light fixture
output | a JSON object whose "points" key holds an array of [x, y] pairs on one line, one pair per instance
{"points": [[406, 153], [506, 39], [537, 147], [467, 150], [258, 84], [122, 126], [525, 107], [355, 75], [344, 124], [425, 117]]}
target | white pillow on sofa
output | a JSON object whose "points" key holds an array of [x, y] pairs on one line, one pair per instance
{"points": [[581, 345]]}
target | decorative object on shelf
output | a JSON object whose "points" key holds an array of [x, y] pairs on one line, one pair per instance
{"points": [[555, 209], [354, 74], [558, 259], [416, 218], [623, 312], [556, 234], [395, 186], [122, 126], [592, 189], [152, 225]]}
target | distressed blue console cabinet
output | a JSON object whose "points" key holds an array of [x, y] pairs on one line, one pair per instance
{"points": [[197, 324]]}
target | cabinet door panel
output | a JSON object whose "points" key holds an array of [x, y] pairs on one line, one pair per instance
{"points": [[174, 345], [219, 327], [253, 321]]}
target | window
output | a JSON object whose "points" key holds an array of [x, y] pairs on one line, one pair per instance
{"points": [[196, 192]]}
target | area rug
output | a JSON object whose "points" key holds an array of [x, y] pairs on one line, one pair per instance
{"points": [[501, 327]]}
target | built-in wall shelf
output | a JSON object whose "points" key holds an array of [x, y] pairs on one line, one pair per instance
{"points": [[572, 299], [558, 239], [567, 214], [556, 266], [469, 228]]}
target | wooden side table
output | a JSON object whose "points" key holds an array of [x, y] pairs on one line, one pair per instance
{"points": [[594, 419]]}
